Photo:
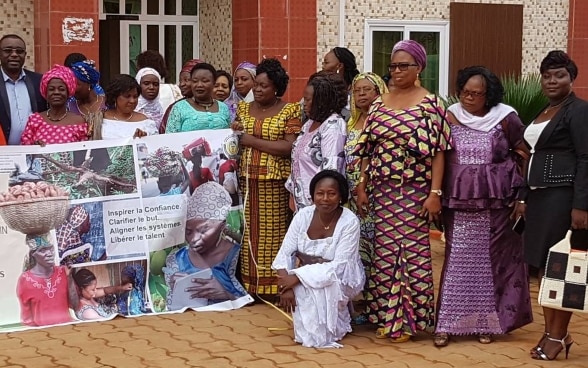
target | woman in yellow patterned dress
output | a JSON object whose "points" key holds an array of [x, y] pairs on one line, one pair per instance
{"points": [[366, 87], [268, 128]]}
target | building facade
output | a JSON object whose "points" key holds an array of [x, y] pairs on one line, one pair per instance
{"points": [[509, 36]]}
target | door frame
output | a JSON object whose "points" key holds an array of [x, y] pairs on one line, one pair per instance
{"points": [[406, 27]]}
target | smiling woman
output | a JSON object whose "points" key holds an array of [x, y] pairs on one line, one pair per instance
{"points": [[121, 120], [56, 125], [318, 264], [201, 111]]}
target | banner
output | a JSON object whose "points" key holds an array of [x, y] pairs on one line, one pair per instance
{"points": [[123, 227]]}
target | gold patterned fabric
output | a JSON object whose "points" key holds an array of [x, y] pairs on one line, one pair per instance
{"points": [[267, 216], [263, 179], [261, 165]]}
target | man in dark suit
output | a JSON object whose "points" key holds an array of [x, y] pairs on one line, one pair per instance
{"points": [[19, 88]]}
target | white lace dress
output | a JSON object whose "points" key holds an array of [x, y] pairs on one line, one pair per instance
{"points": [[321, 317]]}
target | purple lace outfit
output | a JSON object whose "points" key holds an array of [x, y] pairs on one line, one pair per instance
{"points": [[484, 284]]}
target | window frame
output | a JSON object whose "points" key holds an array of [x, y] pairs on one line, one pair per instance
{"points": [[406, 27]]}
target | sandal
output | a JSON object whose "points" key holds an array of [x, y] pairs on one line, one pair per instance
{"points": [[380, 334], [402, 338], [441, 339], [485, 339], [542, 355], [540, 343]]}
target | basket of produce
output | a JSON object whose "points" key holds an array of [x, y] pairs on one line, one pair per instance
{"points": [[34, 208]]}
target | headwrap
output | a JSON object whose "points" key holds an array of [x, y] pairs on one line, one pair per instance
{"points": [[189, 65], [59, 72], [209, 201], [86, 72], [377, 81], [35, 242], [415, 49], [151, 108], [163, 162], [234, 97]]}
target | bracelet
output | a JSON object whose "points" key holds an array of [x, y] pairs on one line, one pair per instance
{"points": [[362, 179], [521, 202]]}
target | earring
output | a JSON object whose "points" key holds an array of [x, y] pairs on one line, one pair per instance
{"points": [[417, 82]]}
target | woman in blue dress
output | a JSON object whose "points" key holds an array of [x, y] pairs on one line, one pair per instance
{"points": [[209, 258]]}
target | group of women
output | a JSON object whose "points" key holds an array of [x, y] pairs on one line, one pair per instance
{"points": [[401, 160]]}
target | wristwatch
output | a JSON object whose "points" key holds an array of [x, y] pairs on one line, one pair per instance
{"points": [[439, 192]]}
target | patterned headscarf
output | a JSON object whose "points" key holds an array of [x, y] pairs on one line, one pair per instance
{"points": [[151, 108], [59, 72], [86, 72], [380, 85], [35, 242], [163, 162], [415, 49], [189, 65], [209, 201], [234, 97]]}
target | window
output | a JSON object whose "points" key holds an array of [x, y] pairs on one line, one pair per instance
{"points": [[161, 25], [381, 35]]}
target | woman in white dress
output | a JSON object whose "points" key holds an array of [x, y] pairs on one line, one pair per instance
{"points": [[318, 265], [121, 120]]}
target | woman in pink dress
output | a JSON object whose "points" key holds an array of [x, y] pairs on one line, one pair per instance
{"points": [[46, 292], [57, 124]]}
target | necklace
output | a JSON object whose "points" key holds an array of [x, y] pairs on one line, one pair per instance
{"points": [[205, 105], [56, 119], [327, 226], [268, 107], [549, 108], [127, 119], [88, 109]]}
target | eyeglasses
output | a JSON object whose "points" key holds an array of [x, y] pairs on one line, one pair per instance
{"points": [[466, 93], [10, 50], [365, 90], [401, 66]]}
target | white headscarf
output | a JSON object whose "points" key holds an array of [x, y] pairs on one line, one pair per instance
{"points": [[482, 123], [152, 109]]}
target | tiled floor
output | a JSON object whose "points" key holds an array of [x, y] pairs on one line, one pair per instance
{"points": [[243, 338]]}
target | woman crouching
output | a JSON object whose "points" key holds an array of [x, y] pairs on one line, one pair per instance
{"points": [[318, 265]]}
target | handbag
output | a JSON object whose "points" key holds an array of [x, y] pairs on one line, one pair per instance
{"points": [[565, 283]]}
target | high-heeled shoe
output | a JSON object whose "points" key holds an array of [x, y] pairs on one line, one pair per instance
{"points": [[540, 343], [542, 355]]}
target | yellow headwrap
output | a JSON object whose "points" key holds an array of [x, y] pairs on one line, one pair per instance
{"points": [[376, 81]]}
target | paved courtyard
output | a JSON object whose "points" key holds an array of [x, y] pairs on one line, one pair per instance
{"points": [[259, 336]]}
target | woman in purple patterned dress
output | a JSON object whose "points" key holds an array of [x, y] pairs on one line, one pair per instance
{"points": [[484, 285], [402, 148]]}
